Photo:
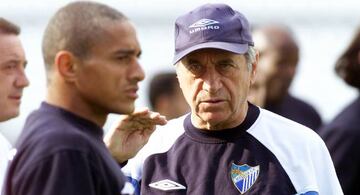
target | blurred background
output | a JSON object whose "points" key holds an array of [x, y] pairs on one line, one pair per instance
{"points": [[323, 29]]}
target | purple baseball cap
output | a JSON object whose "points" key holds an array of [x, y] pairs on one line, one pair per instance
{"points": [[212, 26]]}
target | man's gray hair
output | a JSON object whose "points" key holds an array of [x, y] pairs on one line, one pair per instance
{"points": [[250, 56]]}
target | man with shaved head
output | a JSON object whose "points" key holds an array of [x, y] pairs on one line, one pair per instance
{"points": [[12, 82], [91, 56], [279, 56]]}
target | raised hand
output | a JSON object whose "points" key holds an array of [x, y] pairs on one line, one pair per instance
{"points": [[131, 132]]}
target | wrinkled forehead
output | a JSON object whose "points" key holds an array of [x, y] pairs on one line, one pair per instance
{"points": [[210, 55], [211, 52]]}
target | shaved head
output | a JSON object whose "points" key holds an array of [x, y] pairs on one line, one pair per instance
{"points": [[76, 28], [275, 36]]}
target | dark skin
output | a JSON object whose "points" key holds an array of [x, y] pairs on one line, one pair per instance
{"points": [[279, 55], [106, 82]]}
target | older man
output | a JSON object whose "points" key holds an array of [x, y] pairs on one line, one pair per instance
{"points": [[12, 82], [91, 55], [227, 145]]}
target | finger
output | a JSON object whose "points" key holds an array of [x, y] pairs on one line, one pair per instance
{"points": [[154, 118], [140, 111], [146, 116], [154, 115], [160, 120]]}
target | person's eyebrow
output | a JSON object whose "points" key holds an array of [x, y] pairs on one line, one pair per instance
{"points": [[191, 60], [16, 61], [127, 52], [227, 60]]}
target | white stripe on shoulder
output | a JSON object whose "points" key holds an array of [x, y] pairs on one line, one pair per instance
{"points": [[300, 151]]}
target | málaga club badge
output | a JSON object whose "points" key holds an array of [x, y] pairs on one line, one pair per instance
{"points": [[244, 176]]}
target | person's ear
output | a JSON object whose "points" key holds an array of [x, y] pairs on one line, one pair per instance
{"points": [[254, 68], [65, 65]]}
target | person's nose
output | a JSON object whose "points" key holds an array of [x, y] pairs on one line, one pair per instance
{"points": [[21, 80], [212, 81], [136, 73]]}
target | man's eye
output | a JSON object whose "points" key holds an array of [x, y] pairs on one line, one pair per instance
{"points": [[226, 69], [225, 66], [11, 66], [121, 58], [195, 68]]}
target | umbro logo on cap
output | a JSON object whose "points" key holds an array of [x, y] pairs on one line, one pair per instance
{"points": [[203, 22], [167, 185]]}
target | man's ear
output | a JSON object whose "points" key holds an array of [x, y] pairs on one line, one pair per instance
{"points": [[65, 65], [254, 68]]}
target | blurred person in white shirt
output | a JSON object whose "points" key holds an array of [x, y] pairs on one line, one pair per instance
{"points": [[12, 82]]}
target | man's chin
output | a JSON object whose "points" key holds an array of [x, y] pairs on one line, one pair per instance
{"points": [[213, 121], [9, 115], [125, 110]]}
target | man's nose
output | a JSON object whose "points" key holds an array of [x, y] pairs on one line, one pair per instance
{"points": [[21, 80], [212, 81], [136, 73]]}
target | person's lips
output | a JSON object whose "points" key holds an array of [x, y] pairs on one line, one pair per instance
{"points": [[131, 92], [213, 101], [16, 98]]}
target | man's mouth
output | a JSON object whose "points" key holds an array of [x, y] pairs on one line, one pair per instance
{"points": [[213, 101], [16, 98], [132, 92]]}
